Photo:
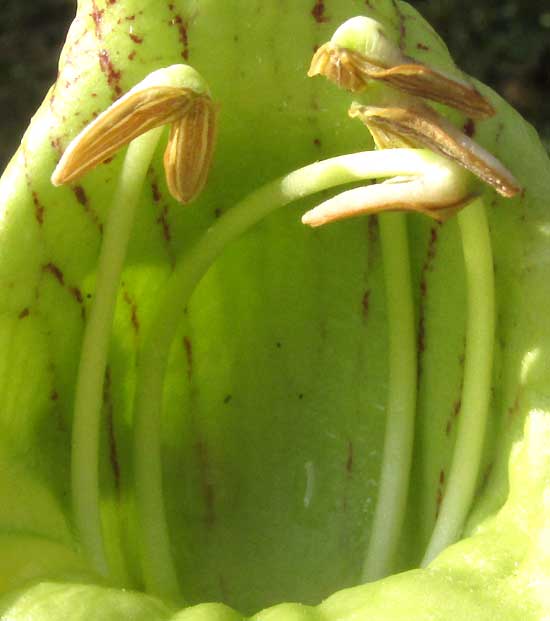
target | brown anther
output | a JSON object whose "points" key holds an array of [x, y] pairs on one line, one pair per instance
{"points": [[419, 125], [353, 71], [190, 145]]}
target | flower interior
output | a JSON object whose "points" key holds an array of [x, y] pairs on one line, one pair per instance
{"points": [[294, 365]]}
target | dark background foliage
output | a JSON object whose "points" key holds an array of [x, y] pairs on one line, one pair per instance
{"points": [[504, 43]]}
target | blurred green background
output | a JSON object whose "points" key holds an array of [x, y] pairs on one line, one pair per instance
{"points": [[505, 44]]}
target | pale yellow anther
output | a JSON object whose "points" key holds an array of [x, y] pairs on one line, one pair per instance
{"points": [[150, 104]]}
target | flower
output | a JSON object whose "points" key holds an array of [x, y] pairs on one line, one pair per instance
{"points": [[249, 368]]}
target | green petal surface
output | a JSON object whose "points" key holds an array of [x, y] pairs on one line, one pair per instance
{"points": [[274, 398]]}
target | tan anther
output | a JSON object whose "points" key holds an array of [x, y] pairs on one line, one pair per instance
{"points": [[419, 125], [189, 150], [334, 62], [190, 145], [352, 71]]}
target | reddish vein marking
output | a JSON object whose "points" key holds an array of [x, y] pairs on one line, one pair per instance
{"points": [[108, 403], [82, 198], [97, 16], [182, 31], [402, 29], [454, 415], [188, 355], [373, 229], [74, 292], [113, 76], [38, 208], [427, 267], [133, 310], [469, 128], [52, 269], [365, 303], [439, 493], [163, 221], [56, 144], [162, 218], [318, 12], [77, 294], [155, 191], [80, 195]]}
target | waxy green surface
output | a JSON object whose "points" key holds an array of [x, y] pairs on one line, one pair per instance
{"points": [[274, 399]]}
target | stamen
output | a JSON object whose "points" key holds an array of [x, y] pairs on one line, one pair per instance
{"points": [[150, 104], [439, 192], [359, 52], [353, 71], [176, 95], [419, 125]]}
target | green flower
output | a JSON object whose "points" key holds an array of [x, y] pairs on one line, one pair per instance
{"points": [[216, 403]]}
